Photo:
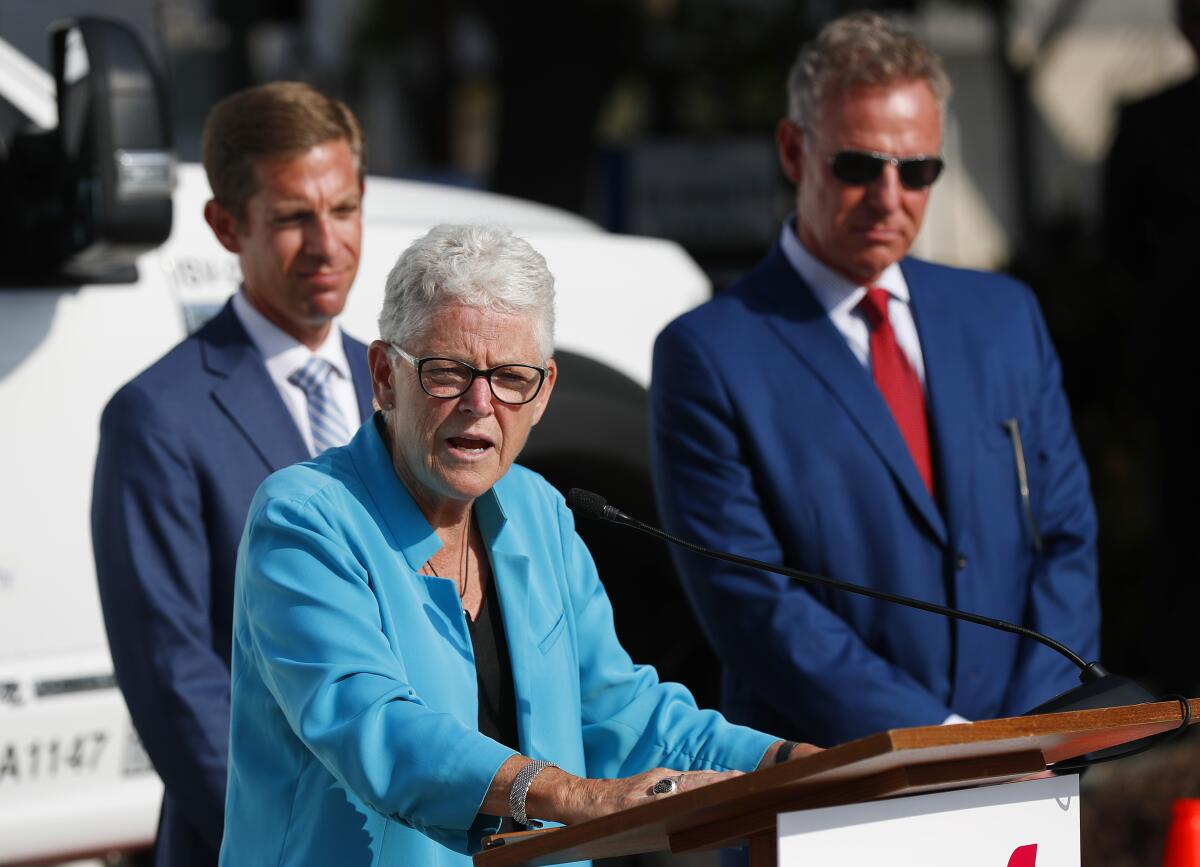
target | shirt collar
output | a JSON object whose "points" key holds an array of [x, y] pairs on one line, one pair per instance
{"points": [[283, 353], [833, 291], [410, 529]]}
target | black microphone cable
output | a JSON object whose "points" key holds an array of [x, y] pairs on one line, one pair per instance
{"points": [[1141, 745], [592, 505], [1098, 684]]}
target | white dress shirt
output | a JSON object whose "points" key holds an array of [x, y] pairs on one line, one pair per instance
{"points": [[840, 298], [283, 355]]}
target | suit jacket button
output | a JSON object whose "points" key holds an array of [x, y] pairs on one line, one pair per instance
{"points": [[960, 562]]}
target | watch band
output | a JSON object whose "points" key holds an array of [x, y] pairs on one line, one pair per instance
{"points": [[520, 788], [785, 751]]}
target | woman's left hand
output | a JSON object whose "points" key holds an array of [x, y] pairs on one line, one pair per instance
{"points": [[565, 798]]}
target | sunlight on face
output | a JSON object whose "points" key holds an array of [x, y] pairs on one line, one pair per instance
{"points": [[300, 238], [860, 230]]}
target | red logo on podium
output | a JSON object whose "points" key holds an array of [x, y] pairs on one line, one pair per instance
{"points": [[1023, 856]]}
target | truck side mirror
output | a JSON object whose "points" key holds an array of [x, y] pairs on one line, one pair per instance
{"points": [[115, 140], [82, 201]]}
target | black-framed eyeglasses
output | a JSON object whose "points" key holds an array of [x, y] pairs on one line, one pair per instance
{"points": [[859, 168], [447, 378]]}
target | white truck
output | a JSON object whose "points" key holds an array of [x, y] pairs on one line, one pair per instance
{"points": [[107, 263]]}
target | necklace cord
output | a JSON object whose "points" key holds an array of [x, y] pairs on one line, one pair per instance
{"points": [[464, 561]]}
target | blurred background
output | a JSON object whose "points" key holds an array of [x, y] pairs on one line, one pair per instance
{"points": [[655, 117]]}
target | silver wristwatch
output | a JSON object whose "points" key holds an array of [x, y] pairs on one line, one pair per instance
{"points": [[520, 788]]}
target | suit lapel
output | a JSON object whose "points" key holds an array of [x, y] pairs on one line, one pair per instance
{"points": [[949, 410], [246, 393], [360, 373], [794, 313]]}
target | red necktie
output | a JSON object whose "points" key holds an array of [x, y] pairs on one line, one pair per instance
{"points": [[898, 382]]}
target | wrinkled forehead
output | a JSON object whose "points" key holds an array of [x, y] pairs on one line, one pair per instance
{"points": [[475, 333]]}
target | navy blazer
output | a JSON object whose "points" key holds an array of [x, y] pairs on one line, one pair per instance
{"points": [[771, 440], [183, 447]]}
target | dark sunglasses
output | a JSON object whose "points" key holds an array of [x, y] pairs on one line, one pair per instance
{"points": [[858, 168]]}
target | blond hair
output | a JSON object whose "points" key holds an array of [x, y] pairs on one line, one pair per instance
{"points": [[864, 49]]}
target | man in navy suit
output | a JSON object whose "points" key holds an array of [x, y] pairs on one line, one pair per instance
{"points": [[849, 410], [269, 381]]}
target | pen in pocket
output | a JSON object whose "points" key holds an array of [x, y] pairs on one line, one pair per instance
{"points": [[1014, 433]]}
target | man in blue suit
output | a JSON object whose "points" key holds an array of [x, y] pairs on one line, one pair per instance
{"points": [[269, 381], [849, 410]]}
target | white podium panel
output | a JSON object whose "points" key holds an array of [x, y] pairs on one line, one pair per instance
{"points": [[1028, 824]]}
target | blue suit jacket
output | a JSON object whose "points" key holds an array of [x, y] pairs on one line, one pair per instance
{"points": [[183, 447], [355, 717], [771, 440]]}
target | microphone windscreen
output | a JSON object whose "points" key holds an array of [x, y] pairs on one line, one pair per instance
{"points": [[586, 503]]}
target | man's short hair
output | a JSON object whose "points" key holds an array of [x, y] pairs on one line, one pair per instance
{"points": [[280, 119], [864, 49]]}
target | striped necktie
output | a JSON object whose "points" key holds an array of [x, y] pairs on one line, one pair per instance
{"points": [[325, 419]]}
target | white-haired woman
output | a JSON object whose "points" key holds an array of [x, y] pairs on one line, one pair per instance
{"points": [[418, 630]]}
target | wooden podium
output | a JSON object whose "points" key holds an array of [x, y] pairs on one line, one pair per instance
{"points": [[897, 762]]}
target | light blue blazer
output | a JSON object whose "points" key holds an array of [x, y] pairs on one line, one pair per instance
{"points": [[354, 735]]}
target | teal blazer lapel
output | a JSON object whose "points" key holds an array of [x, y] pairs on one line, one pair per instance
{"points": [[794, 314], [526, 617]]}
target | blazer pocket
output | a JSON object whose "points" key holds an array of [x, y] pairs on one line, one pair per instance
{"points": [[554, 634], [997, 435]]}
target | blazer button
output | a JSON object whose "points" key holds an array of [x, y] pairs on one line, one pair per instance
{"points": [[960, 562]]}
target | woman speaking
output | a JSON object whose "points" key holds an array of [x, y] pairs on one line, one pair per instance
{"points": [[422, 648]]}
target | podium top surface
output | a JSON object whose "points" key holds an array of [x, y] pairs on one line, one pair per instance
{"points": [[890, 763]]}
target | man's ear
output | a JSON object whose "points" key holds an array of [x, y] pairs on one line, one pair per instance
{"points": [[223, 224], [789, 142]]}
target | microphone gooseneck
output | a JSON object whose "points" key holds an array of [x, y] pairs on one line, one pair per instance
{"points": [[1098, 689]]}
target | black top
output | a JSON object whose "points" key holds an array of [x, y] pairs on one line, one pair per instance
{"points": [[493, 673]]}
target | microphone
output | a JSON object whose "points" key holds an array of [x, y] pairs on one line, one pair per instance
{"points": [[1097, 689]]}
